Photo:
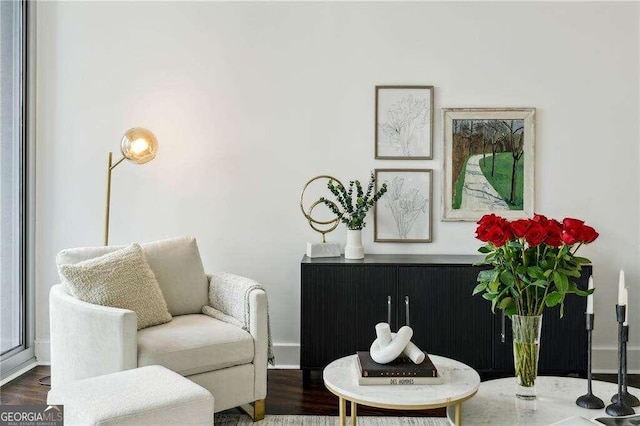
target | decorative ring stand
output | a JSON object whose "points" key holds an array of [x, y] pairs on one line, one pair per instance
{"points": [[323, 249]]}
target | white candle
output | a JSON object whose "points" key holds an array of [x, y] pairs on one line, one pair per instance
{"points": [[621, 288], [590, 297], [626, 311]]}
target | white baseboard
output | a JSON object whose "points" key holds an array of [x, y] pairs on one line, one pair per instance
{"points": [[42, 352], [605, 358], [287, 355], [19, 373]]}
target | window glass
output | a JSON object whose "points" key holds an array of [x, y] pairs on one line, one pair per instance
{"points": [[12, 327]]}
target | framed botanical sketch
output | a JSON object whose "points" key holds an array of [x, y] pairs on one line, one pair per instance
{"points": [[403, 214], [404, 122], [489, 162]]}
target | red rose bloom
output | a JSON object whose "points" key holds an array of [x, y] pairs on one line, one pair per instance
{"points": [[535, 235], [489, 219], [520, 227], [589, 234], [541, 219], [481, 233], [493, 229], [572, 230], [498, 235], [569, 222], [554, 233], [484, 224], [568, 238]]}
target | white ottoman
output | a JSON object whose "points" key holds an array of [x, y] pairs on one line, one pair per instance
{"points": [[150, 395]]}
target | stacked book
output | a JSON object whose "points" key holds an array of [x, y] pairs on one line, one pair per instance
{"points": [[401, 371]]}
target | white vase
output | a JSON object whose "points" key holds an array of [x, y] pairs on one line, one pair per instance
{"points": [[354, 249]]}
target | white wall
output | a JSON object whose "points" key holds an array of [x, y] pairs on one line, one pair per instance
{"points": [[249, 100]]}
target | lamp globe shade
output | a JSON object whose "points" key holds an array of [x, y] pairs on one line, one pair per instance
{"points": [[139, 145]]}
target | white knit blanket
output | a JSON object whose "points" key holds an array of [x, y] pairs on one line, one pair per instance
{"points": [[229, 302]]}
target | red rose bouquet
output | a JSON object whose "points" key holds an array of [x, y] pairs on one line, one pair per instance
{"points": [[533, 262]]}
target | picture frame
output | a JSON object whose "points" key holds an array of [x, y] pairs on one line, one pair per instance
{"points": [[404, 123], [404, 214], [489, 163]]}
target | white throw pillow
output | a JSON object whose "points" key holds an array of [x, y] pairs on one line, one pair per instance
{"points": [[121, 279], [176, 264]]}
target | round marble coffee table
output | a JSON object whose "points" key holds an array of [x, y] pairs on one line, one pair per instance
{"points": [[496, 402], [460, 382]]}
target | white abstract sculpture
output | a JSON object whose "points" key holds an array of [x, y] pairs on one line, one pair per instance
{"points": [[388, 346]]}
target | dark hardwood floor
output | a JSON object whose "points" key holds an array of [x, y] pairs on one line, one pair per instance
{"points": [[285, 394], [26, 389]]}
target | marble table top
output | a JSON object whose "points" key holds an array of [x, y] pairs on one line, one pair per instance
{"points": [[496, 402], [459, 382]]}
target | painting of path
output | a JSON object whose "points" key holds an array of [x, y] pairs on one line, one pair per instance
{"points": [[488, 165]]}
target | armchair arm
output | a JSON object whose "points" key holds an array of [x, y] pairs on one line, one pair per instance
{"points": [[258, 325], [89, 340]]}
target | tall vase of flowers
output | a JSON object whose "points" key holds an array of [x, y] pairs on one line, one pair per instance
{"points": [[533, 264], [353, 214]]}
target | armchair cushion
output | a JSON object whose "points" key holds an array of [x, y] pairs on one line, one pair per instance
{"points": [[121, 279], [175, 262], [192, 344]]}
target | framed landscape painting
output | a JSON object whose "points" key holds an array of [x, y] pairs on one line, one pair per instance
{"points": [[489, 162], [403, 214], [404, 122]]}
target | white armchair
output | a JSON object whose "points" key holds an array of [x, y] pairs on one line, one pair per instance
{"points": [[89, 340]]}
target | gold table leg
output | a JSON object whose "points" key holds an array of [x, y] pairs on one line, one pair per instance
{"points": [[458, 417], [342, 409], [354, 411]]}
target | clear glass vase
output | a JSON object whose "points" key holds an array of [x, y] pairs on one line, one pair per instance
{"points": [[526, 348]]}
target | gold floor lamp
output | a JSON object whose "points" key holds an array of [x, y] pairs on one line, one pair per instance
{"points": [[138, 145]]}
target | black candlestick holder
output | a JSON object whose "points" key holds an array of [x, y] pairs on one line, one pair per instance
{"points": [[619, 408], [589, 400], [627, 398]]}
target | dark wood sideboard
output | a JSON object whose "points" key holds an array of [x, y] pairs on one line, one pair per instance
{"points": [[342, 301]]}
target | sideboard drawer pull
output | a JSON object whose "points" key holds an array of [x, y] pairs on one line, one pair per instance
{"points": [[406, 311], [389, 310]]}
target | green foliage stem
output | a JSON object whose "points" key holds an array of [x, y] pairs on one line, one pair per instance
{"points": [[353, 215], [524, 280]]}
